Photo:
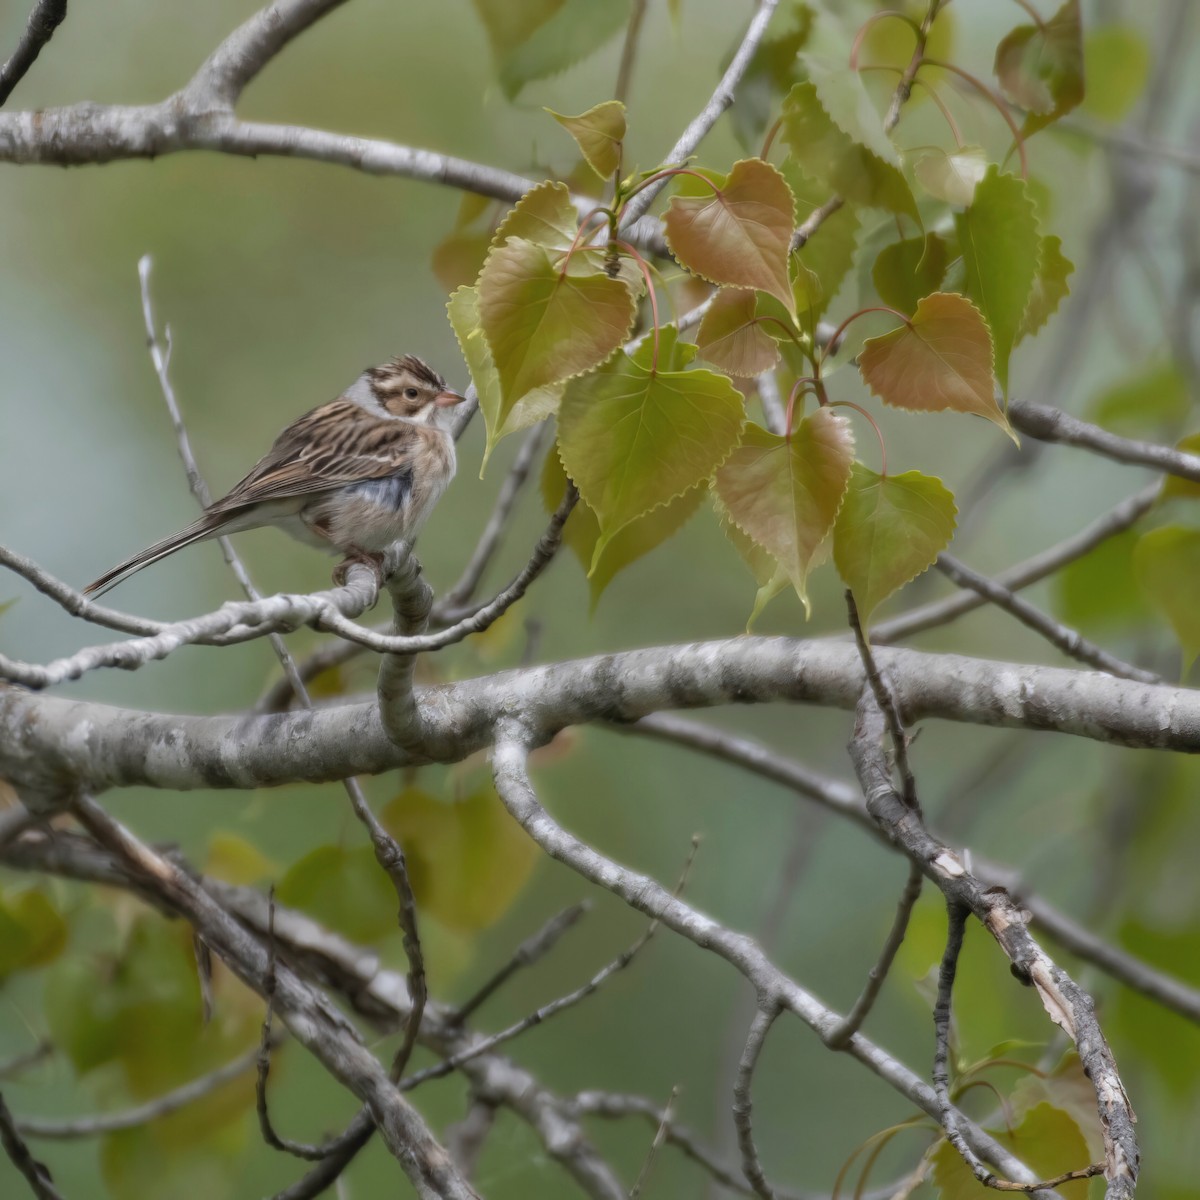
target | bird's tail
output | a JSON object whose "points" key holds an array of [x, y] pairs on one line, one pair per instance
{"points": [[199, 529]]}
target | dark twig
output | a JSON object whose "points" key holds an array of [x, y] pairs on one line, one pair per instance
{"points": [[19, 1063], [526, 954], [887, 705], [660, 1136], [764, 1018], [37, 1176], [878, 973], [46, 17], [1069, 641], [956, 915]]}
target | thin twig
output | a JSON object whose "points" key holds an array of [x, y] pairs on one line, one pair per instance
{"points": [[46, 17], [660, 1136], [878, 973], [35, 1173], [49, 1129], [764, 1018], [531, 950], [19, 1063], [1069, 641], [956, 915], [629, 50]]}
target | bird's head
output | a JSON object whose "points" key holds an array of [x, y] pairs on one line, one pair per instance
{"points": [[409, 388]]}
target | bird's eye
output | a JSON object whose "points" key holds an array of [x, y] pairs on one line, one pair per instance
{"points": [[411, 393]]}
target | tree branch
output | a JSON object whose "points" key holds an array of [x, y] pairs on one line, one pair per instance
{"points": [[46, 17]]}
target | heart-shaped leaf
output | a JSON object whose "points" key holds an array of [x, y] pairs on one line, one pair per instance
{"points": [[1040, 67], [952, 177], [741, 234], [546, 215], [599, 133], [941, 360], [909, 270], [731, 337], [638, 538], [544, 325], [889, 529], [785, 494], [534, 406], [999, 239], [633, 437]]}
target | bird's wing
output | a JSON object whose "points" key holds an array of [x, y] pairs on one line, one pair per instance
{"points": [[330, 447]]}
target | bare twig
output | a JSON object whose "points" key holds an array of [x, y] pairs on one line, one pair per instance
{"points": [[48, 1129], [10, 1068], [878, 973], [660, 1136], [764, 1018], [531, 950], [629, 50], [1069, 641], [35, 1174], [46, 17]]}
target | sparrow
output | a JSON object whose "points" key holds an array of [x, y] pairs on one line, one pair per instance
{"points": [[351, 477]]}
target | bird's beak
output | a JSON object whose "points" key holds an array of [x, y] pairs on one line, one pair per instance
{"points": [[448, 399]]}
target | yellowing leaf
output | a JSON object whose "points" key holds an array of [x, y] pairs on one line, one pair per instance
{"points": [[1041, 68], [534, 406], [999, 238], [32, 931], [1156, 395], [1049, 286], [468, 859], [638, 538], [543, 325], [855, 160], [730, 336], [545, 215], [739, 236], [1117, 64], [941, 360], [235, 860], [1167, 564], [344, 889], [952, 177], [768, 574], [785, 495], [456, 259], [599, 133], [1176, 485], [633, 438], [889, 530], [1047, 1139], [907, 271]]}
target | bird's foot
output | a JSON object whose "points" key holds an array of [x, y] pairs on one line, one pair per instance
{"points": [[341, 572]]}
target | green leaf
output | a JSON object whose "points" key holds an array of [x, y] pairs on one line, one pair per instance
{"points": [[731, 337], [941, 360], [135, 1164], [1050, 286], [784, 495], [1048, 1140], [772, 70], [546, 215], [952, 177], [889, 530], [1167, 564], [599, 133], [32, 931], [1117, 64], [534, 406], [543, 326], [1000, 244], [535, 39], [1100, 590], [633, 438], [741, 235], [1157, 395], [1041, 68], [907, 271], [836, 137], [344, 889], [1174, 486], [825, 259], [638, 538], [468, 860], [235, 860]]}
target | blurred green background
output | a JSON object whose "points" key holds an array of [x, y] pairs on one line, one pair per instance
{"points": [[280, 280]]}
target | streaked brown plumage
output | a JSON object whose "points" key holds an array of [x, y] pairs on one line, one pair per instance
{"points": [[352, 476]]}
